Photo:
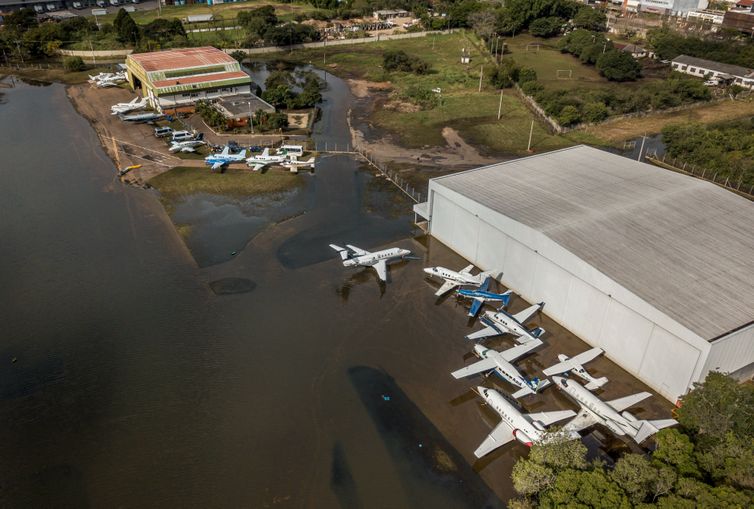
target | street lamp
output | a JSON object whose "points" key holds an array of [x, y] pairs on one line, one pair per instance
{"points": [[251, 119]]}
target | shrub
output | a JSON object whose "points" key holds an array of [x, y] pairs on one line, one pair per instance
{"points": [[595, 112], [400, 61], [618, 66], [74, 64], [546, 27], [526, 74], [569, 115]]}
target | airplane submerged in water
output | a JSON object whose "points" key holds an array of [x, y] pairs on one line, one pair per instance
{"points": [[529, 429], [224, 158], [481, 295], [575, 365], [353, 256], [501, 364], [500, 322], [455, 279]]}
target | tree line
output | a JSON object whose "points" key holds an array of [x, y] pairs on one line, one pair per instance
{"points": [[705, 462]]}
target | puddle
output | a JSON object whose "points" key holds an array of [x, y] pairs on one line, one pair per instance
{"points": [[232, 285]]}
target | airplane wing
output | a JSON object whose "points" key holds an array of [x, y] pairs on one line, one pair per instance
{"points": [[381, 268], [466, 270], [548, 418], [478, 367], [357, 250], [484, 333], [257, 167], [218, 165], [621, 404], [446, 287], [485, 284], [476, 305], [501, 435], [523, 316], [514, 353], [569, 364], [581, 421]]}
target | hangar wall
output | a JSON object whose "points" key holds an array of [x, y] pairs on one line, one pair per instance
{"points": [[654, 348], [731, 352]]}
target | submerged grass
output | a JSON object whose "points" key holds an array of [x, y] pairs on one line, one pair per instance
{"points": [[184, 181]]}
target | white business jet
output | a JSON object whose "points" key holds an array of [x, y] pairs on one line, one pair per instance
{"points": [[575, 365], [500, 363], [500, 322], [135, 105], [529, 429], [609, 413], [353, 256], [455, 279]]}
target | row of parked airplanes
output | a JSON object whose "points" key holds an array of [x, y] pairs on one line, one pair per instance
{"points": [[183, 141], [527, 428], [108, 79]]}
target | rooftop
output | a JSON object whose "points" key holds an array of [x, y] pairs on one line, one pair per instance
{"points": [[733, 70], [182, 58], [237, 106], [684, 245], [201, 78]]}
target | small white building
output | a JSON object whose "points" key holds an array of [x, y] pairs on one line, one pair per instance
{"points": [[669, 7], [706, 15], [654, 267], [386, 14], [709, 69]]}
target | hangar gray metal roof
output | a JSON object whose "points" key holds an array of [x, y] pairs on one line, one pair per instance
{"points": [[684, 245]]}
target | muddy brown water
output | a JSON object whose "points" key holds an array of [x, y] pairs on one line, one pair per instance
{"points": [[130, 377]]}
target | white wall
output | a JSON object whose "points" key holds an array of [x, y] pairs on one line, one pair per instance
{"points": [[731, 352], [648, 344]]}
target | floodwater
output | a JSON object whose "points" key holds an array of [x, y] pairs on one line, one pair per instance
{"points": [[131, 377]]}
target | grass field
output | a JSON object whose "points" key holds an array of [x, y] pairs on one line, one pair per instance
{"points": [[472, 113], [220, 12], [182, 181]]}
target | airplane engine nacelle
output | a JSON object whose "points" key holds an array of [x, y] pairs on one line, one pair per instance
{"points": [[522, 437], [539, 426], [347, 262]]}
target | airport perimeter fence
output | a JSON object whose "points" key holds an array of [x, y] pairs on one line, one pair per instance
{"points": [[391, 176], [674, 164]]}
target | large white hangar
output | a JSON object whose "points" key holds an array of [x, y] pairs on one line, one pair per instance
{"points": [[654, 267]]}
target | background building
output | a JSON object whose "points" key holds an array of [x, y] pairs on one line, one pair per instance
{"points": [[670, 7], [654, 267], [707, 68], [178, 78]]}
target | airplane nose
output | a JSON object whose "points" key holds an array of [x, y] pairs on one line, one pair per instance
{"points": [[429, 270]]}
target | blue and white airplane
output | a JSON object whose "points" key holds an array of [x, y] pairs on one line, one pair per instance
{"points": [[482, 295], [501, 363], [453, 279], [504, 323], [217, 161]]}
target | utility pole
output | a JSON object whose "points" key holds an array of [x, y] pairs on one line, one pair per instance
{"points": [[500, 106], [531, 131], [481, 74], [91, 48], [641, 149]]}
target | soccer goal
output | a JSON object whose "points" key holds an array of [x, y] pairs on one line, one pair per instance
{"points": [[532, 47], [564, 74]]}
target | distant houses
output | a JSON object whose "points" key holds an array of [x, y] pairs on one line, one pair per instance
{"points": [[709, 69]]}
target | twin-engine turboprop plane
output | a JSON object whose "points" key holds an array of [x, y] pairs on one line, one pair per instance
{"points": [[455, 279], [500, 322], [575, 365], [217, 161], [501, 364], [526, 428], [353, 256]]}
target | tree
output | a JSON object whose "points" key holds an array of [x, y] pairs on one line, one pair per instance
{"points": [[618, 66], [399, 60], [676, 449], [530, 478], [505, 74], [483, 22], [560, 452], [635, 474], [74, 64], [590, 19], [569, 115], [546, 27], [595, 112], [125, 27]]}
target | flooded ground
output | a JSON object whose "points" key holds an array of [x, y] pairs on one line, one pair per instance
{"points": [[132, 378]]}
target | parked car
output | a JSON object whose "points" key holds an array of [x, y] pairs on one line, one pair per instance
{"points": [[102, 3], [77, 5], [183, 135], [161, 132]]}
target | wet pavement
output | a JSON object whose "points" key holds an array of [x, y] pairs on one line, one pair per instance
{"points": [[133, 378]]}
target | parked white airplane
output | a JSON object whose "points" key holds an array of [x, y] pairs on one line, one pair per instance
{"points": [[257, 162], [501, 322], [135, 105], [185, 146], [575, 366], [108, 79], [526, 428], [609, 413], [353, 256], [500, 363], [294, 164], [455, 279]]}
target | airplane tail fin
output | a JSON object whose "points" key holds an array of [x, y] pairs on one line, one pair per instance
{"points": [[506, 298], [537, 332], [344, 255], [648, 428], [199, 137], [596, 384]]}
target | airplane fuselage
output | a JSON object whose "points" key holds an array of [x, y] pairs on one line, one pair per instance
{"points": [[523, 430], [503, 368], [451, 275], [594, 405], [483, 295], [378, 256], [505, 323]]}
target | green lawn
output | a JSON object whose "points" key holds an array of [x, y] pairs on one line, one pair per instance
{"points": [[183, 181], [221, 11], [464, 108]]}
